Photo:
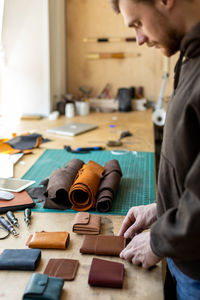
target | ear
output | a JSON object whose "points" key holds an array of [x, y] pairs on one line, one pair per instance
{"points": [[167, 3]]}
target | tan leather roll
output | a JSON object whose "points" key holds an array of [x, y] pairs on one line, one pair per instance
{"points": [[83, 192]]}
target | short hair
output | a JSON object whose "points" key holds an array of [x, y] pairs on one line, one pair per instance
{"points": [[115, 4]]}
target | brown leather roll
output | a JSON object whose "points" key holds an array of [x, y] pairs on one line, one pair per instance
{"points": [[109, 183], [83, 191], [60, 182]]}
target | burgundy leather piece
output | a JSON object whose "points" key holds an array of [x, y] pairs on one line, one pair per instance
{"points": [[105, 273], [62, 267], [103, 245], [85, 223], [60, 182], [109, 183]]}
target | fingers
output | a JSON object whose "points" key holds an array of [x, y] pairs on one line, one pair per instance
{"points": [[128, 221], [132, 230], [138, 251]]}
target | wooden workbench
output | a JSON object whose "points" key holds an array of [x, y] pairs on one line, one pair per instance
{"points": [[139, 284]]}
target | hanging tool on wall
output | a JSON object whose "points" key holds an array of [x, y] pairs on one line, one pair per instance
{"points": [[159, 114], [27, 216], [109, 40], [11, 217], [8, 227], [118, 55]]}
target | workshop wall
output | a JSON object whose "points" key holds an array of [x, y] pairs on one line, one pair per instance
{"points": [[95, 19]]}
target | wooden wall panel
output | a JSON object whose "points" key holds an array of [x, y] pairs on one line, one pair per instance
{"points": [[95, 18]]}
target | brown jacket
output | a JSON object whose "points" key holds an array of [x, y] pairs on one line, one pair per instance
{"points": [[176, 233]]}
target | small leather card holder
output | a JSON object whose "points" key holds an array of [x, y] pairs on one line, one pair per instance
{"points": [[48, 240], [105, 273], [40, 286], [103, 244], [20, 259], [62, 268], [85, 223]]}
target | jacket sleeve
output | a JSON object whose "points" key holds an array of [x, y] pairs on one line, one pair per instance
{"points": [[176, 233]]}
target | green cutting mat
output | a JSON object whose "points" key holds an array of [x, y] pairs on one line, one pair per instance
{"points": [[137, 186]]}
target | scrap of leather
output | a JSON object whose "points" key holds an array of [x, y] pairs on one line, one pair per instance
{"points": [[83, 192], [103, 245], [106, 273], [59, 184], [26, 141], [48, 240], [62, 267], [85, 223], [110, 180]]}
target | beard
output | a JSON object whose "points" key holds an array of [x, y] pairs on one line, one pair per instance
{"points": [[169, 40]]}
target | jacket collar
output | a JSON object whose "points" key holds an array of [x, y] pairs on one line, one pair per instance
{"points": [[189, 48], [190, 44]]}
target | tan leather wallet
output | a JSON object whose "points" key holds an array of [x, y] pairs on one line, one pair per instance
{"points": [[85, 223], [103, 244], [53, 240], [62, 267]]}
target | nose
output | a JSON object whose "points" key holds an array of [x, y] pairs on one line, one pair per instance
{"points": [[140, 38]]}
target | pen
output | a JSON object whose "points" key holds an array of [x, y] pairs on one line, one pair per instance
{"points": [[89, 148]]}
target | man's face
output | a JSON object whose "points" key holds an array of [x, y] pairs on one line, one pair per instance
{"points": [[151, 26]]}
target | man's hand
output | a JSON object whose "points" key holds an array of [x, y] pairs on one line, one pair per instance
{"points": [[138, 219], [138, 251]]}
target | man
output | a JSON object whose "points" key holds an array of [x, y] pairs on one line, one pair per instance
{"points": [[174, 220]]}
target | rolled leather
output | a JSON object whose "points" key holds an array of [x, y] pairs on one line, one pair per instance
{"points": [[85, 223], [109, 183], [106, 273], [82, 193], [60, 182], [103, 245]]}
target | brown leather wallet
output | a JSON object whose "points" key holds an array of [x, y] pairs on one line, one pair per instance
{"points": [[103, 245], [53, 240], [62, 268], [85, 223], [106, 273]]}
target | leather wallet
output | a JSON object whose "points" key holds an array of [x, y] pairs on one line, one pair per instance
{"points": [[106, 273], [85, 223], [103, 244], [53, 240], [40, 286], [20, 259], [62, 267]]}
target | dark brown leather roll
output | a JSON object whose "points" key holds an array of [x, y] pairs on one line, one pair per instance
{"points": [[109, 183], [60, 182]]}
